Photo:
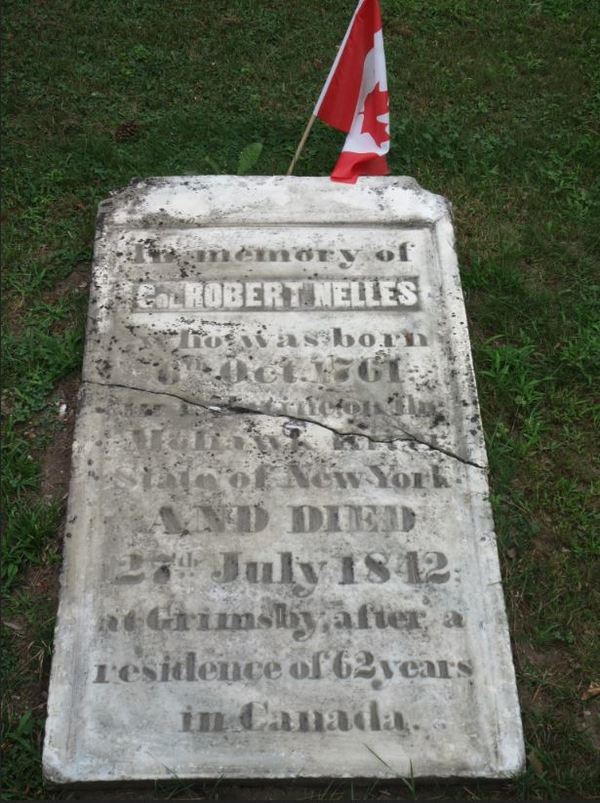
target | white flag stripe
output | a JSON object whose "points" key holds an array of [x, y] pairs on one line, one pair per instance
{"points": [[374, 73]]}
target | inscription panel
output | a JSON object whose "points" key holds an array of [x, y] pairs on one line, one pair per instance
{"points": [[280, 559]]}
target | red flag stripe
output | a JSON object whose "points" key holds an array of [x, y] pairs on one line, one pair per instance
{"points": [[339, 97], [352, 165]]}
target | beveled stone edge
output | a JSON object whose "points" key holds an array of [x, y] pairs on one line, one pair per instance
{"points": [[269, 200]]}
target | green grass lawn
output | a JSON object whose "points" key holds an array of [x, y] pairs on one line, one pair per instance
{"points": [[494, 104]]}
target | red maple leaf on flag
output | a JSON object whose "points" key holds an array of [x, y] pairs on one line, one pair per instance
{"points": [[376, 104]]}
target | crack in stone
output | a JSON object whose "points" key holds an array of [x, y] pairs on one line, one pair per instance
{"points": [[407, 437]]}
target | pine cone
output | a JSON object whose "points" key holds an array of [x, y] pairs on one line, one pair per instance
{"points": [[127, 130]]}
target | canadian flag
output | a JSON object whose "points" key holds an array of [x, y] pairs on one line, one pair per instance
{"points": [[355, 97]]}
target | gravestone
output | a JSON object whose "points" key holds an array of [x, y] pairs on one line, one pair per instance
{"points": [[279, 557]]}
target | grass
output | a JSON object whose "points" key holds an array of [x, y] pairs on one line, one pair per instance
{"points": [[494, 104]]}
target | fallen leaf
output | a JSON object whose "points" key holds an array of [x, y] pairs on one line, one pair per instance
{"points": [[593, 690], [13, 626]]}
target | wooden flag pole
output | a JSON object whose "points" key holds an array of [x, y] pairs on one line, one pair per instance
{"points": [[301, 144]]}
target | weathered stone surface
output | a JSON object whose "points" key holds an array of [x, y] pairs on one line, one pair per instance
{"points": [[280, 558]]}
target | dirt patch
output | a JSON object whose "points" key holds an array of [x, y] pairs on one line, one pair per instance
{"points": [[28, 619], [43, 582], [28, 634], [542, 673], [56, 458], [78, 281], [550, 660]]}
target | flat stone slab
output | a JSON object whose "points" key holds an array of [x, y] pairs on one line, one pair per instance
{"points": [[280, 558]]}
